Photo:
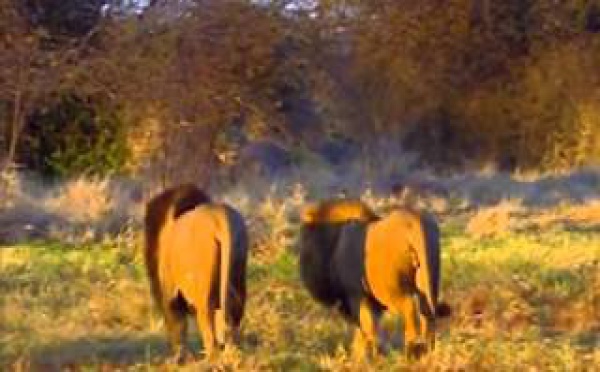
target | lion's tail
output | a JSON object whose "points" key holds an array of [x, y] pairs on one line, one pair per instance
{"points": [[429, 259], [427, 249], [234, 242], [227, 257]]}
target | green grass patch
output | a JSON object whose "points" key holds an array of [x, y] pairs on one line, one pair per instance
{"points": [[90, 307]]}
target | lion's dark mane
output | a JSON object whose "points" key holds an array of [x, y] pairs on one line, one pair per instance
{"points": [[317, 246], [322, 261]]}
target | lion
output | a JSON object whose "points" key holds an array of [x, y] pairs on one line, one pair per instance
{"points": [[365, 265], [196, 261]]}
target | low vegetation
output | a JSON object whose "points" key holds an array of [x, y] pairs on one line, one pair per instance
{"points": [[525, 291]]}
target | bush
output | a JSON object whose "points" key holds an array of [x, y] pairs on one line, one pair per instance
{"points": [[74, 137], [544, 115]]}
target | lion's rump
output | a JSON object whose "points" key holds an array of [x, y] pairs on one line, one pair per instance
{"points": [[176, 200]]}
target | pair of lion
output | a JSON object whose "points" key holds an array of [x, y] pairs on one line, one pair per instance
{"points": [[197, 251]]}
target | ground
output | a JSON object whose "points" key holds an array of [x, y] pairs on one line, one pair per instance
{"points": [[522, 298]]}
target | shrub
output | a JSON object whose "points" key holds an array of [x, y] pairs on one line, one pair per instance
{"points": [[73, 137]]}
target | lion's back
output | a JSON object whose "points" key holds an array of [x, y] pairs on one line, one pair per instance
{"points": [[337, 211], [191, 257], [202, 228], [181, 199]]}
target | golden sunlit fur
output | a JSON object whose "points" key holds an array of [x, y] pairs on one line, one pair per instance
{"points": [[337, 211], [181, 198], [361, 264], [201, 259], [402, 267]]}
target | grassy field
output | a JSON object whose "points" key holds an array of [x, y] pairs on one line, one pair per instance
{"points": [[525, 299]]}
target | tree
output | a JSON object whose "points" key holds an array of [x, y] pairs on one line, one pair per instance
{"points": [[64, 18], [199, 72], [23, 74], [33, 71]]}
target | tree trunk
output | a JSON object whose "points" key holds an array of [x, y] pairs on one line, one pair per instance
{"points": [[15, 130]]}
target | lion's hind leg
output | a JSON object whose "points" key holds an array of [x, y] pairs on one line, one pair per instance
{"points": [[366, 340], [406, 307], [204, 298], [175, 312], [205, 316], [426, 322]]}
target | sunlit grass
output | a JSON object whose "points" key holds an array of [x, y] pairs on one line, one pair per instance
{"points": [[524, 299]]}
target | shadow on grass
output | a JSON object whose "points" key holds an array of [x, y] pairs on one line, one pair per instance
{"points": [[105, 351], [587, 340], [586, 229], [108, 352]]}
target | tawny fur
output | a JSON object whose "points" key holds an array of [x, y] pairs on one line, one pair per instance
{"points": [[181, 199], [337, 211], [402, 264], [363, 265], [201, 259]]}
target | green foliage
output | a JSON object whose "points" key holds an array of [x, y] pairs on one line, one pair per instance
{"points": [[512, 82], [71, 18], [541, 115], [75, 137]]}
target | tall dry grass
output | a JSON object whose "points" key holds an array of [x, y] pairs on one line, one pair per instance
{"points": [[75, 211], [85, 209]]}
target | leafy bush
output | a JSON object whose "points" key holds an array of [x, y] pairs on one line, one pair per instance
{"points": [[544, 115], [75, 137]]}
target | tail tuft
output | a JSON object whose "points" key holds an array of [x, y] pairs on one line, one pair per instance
{"points": [[443, 310]]}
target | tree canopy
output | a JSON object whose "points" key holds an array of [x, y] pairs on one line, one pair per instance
{"points": [[461, 81]]}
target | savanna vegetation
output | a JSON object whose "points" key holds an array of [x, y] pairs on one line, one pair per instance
{"points": [[524, 290], [485, 113], [471, 82]]}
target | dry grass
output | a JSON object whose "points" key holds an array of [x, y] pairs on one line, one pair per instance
{"points": [[525, 299], [84, 210], [526, 296], [584, 216], [494, 221], [81, 200], [76, 211], [510, 216], [524, 283]]}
